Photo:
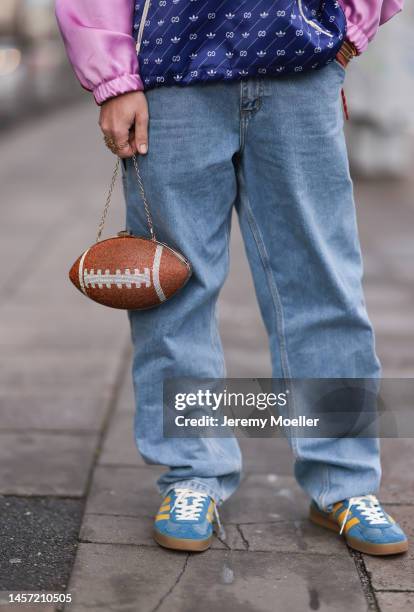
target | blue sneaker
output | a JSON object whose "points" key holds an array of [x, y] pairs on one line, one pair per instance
{"points": [[185, 520], [364, 524]]}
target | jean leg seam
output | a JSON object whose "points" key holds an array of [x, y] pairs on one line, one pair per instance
{"points": [[275, 295], [215, 338], [274, 292], [214, 330], [277, 304]]}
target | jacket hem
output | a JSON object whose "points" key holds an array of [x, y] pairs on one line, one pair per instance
{"points": [[221, 76]]}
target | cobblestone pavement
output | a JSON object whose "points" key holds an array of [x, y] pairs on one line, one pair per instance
{"points": [[67, 459]]}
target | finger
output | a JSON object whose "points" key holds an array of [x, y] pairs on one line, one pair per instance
{"points": [[141, 133], [123, 149], [122, 144], [109, 140], [132, 140], [118, 140]]}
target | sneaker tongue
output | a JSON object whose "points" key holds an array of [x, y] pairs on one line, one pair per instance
{"points": [[370, 505], [363, 500], [370, 502]]}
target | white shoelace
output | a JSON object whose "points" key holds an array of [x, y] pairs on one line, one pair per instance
{"points": [[188, 505], [369, 506]]}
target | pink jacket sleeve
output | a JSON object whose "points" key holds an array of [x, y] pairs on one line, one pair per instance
{"points": [[101, 48], [99, 42], [365, 16]]}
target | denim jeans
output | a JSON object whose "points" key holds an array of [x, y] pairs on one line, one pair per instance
{"points": [[275, 150]]}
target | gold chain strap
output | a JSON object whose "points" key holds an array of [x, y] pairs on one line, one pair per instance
{"points": [[142, 193], [108, 201], [144, 198]]}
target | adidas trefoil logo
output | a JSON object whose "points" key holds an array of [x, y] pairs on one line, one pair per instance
{"points": [[193, 18], [211, 35], [261, 53], [230, 15], [280, 34], [263, 15], [175, 39]]}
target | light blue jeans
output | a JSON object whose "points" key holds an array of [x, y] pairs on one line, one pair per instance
{"points": [[275, 150]]}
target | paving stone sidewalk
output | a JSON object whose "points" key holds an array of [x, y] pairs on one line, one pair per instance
{"points": [[76, 501]]}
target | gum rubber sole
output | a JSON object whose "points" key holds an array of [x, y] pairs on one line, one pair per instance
{"points": [[180, 543], [368, 548]]}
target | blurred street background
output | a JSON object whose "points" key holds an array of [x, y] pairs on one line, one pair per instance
{"points": [[76, 501]]}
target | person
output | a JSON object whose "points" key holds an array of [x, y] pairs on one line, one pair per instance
{"points": [[243, 105]]}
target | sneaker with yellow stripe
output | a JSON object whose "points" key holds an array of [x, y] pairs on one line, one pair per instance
{"points": [[364, 524], [185, 520]]}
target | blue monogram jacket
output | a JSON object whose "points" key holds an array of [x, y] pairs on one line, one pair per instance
{"points": [[183, 42], [117, 46]]}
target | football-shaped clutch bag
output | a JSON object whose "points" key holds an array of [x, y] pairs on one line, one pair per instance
{"points": [[126, 271]]}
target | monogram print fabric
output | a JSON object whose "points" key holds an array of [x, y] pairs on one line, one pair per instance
{"points": [[186, 41]]}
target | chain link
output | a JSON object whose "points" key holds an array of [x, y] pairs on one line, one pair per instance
{"points": [[109, 199], [144, 199]]}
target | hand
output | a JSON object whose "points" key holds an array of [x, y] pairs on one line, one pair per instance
{"points": [[124, 122]]}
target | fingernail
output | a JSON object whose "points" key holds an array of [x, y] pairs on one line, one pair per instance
{"points": [[143, 148]]}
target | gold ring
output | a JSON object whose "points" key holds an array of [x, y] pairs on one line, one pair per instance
{"points": [[122, 146], [111, 148], [111, 144]]}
